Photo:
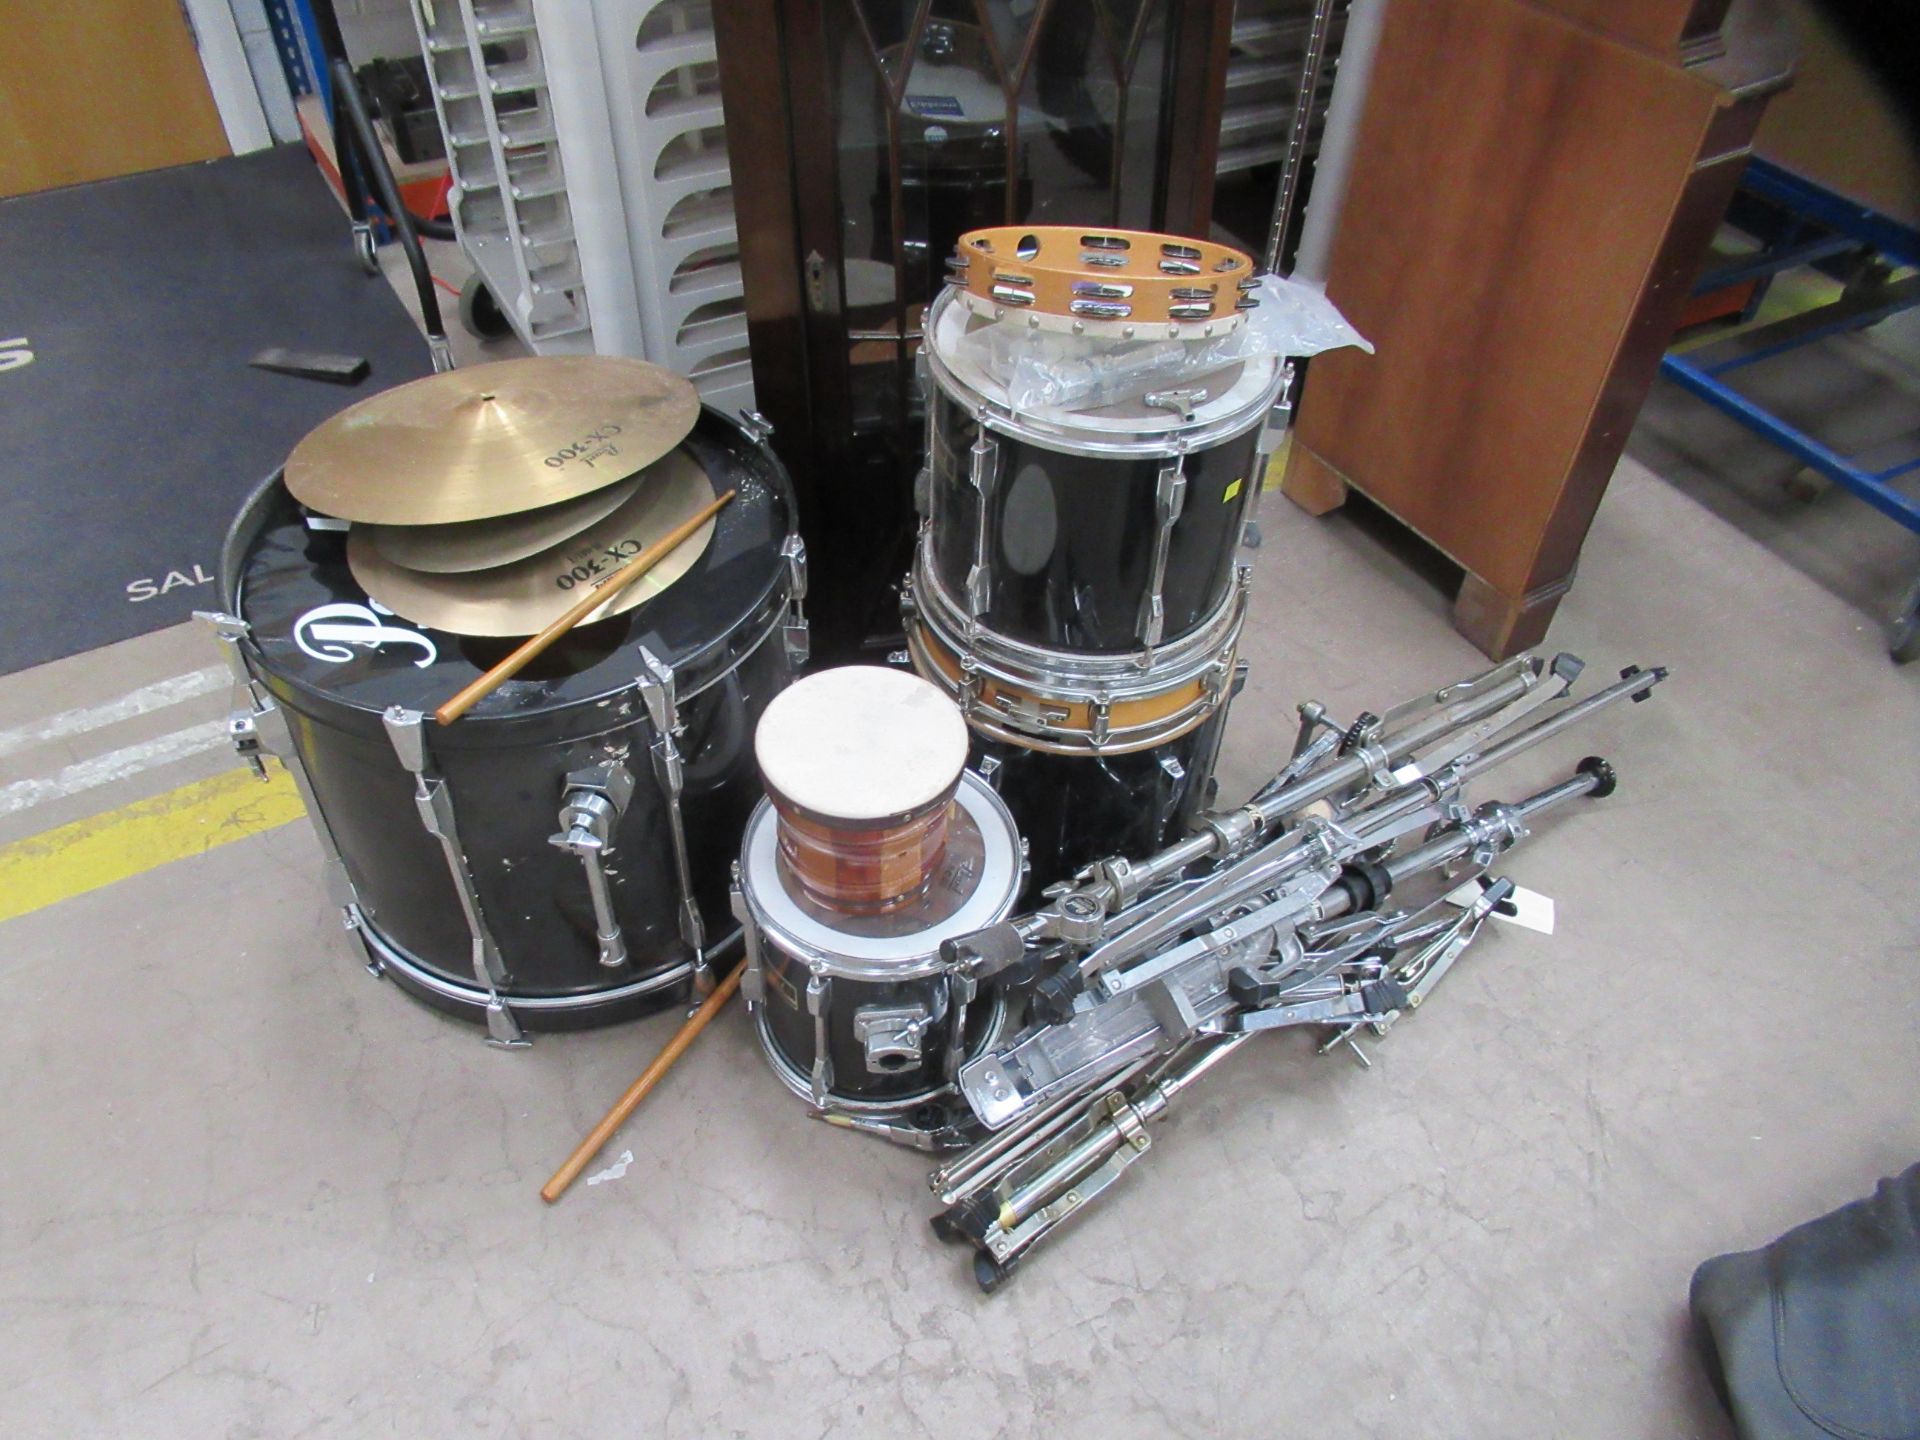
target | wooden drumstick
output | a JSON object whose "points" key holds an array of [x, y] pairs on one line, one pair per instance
{"points": [[636, 1092], [473, 694]]}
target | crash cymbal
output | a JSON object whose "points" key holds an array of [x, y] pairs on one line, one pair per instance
{"points": [[492, 440], [483, 544], [523, 597]]}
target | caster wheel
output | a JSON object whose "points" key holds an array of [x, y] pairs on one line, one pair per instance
{"points": [[1806, 486], [480, 312], [1903, 633]]}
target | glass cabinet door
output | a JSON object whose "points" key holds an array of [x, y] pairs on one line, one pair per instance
{"points": [[922, 119]]}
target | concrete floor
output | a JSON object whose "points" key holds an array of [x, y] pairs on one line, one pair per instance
{"points": [[250, 1191]]}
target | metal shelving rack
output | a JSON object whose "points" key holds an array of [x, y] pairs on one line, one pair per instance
{"points": [[662, 77], [1798, 223], [1266, 69]]}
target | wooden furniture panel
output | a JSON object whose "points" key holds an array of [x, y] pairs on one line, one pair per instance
{"points": [[1839, 127], [90, 91], [1661, 26], [1528, 203]]}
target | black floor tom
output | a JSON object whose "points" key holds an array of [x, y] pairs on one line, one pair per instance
{"points": [[1075, 809]]}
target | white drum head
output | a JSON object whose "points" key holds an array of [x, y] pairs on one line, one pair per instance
{"points": [[861, 742]]}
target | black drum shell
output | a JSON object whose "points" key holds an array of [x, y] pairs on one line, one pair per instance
{"points": [[506, 801], [1071, 536], [791, 1026], [505, 765], [1075, 809]]}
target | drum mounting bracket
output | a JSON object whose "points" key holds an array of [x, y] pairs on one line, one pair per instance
{"points": [[663, 709], [891, 1035], [591, 805], [435, 804]]}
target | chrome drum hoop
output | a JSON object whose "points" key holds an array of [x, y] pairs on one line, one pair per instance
{"points": [[1033, 734], [1075, 674], [1254, 394], [816, 946], [391, 960], [893, 1108]]}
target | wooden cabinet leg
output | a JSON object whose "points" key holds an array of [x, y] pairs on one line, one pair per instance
{"points": [[1502, 624], [1310, 482]]}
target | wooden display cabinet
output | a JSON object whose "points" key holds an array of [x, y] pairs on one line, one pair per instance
{"points": [[1531, 195]]}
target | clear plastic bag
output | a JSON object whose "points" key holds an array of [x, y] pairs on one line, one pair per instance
{"points": [[1049, 370]]}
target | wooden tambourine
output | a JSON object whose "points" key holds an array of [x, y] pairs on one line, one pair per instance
{"points": [[1122, 283]]}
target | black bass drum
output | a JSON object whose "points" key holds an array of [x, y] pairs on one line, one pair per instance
{"points": [[558, 858], [1105, 530]]}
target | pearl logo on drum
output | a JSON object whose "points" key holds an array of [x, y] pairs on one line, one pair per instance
{"points": [[331, 632]]}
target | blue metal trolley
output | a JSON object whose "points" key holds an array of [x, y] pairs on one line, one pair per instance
{"points": [[1801, 223]]}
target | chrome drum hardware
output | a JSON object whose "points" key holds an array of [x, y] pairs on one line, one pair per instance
{"points": [[1335, 899]]}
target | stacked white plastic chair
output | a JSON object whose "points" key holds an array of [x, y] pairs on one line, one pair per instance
{"points": [[592, 189]]}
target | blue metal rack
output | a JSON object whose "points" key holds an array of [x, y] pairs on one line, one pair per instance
{"points": [[1807, 224], [296, 38]]}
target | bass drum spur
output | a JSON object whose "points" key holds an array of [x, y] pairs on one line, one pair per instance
{"points": [[559, 857]]}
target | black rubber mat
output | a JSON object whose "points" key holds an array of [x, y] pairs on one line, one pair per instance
{"points": [[136, 427]]}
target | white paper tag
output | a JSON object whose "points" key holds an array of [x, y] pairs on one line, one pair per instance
{"points": [[1407, 773], [1531, 909], [613, 1171]]}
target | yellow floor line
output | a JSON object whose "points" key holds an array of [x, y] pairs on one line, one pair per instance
{"points": [[88, 854]]}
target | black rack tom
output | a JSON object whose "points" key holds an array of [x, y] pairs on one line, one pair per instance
{"points": [[1108, 530]]}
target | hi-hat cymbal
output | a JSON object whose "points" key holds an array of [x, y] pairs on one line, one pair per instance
{"points": [[483, 544], [522, 598], [492, 440]]}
